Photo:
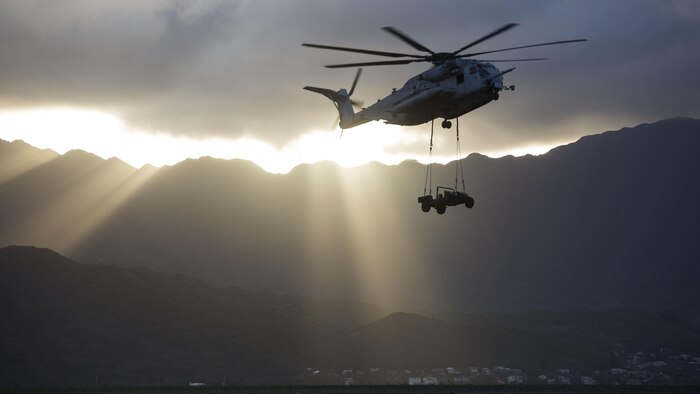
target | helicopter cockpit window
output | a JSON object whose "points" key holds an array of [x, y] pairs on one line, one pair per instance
{"points": [[472, 70], [482, 71]]}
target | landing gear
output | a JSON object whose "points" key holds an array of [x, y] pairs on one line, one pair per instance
{"points": [[446, 124]]}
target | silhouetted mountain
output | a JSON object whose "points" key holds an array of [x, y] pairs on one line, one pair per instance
{"points": [[610, 221], [65, 323], [534, 341], [68, 324], [407, 341]]}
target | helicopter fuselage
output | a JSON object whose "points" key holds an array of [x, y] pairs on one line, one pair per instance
{"points": [[447, 90]]}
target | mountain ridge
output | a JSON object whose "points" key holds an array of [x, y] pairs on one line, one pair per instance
{"points": [[476, 154], [605, 222]]}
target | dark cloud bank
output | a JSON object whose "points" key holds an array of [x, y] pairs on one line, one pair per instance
{"points": [[234, 68]]}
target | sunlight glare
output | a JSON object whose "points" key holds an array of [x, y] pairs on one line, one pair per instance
{"points": [[64, 129], [107, 136], [534, 149]]}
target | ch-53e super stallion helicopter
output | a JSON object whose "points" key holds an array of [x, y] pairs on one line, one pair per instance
{"points": [[455, 85]]}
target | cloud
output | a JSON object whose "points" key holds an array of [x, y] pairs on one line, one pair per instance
{"points": [[224, 69]]}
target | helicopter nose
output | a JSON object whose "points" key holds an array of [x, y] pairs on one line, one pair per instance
{"points": [[497, 83]]}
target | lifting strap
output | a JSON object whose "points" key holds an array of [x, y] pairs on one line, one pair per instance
{"points": [[458, 163], [429, 170], [459, 169]]}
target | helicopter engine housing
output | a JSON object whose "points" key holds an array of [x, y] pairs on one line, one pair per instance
{"points": [[436, 74]]}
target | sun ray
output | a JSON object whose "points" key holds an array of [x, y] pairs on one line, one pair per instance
{"points": [[84, 191], [103, 207], [18, 158]]}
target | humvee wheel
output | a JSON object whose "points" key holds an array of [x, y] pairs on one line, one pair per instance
{"points": [[469, 203]]}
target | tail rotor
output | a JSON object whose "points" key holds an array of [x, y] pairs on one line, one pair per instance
{"points": [[343, 103], [354, 83]]}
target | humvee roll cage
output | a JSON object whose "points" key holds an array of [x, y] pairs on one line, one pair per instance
{"points": [[446, 197]]}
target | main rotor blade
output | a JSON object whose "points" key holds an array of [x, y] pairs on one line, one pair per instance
{"points": [[384, 63], [494, 33], [512, 60], [354, 83], [367, 51], [524, 46], [408, 40]]}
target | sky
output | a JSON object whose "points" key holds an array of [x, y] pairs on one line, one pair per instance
{"points": [[160, 81]]}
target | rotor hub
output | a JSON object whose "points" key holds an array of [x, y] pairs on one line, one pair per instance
{"points": [[441, 57]]}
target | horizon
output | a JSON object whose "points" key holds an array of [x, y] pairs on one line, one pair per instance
{"points": [[274, 167], [138, 148]]}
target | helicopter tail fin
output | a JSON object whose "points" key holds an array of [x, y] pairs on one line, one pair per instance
{"points": [[342, 103]]}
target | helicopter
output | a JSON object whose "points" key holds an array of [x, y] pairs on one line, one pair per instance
{"points": [[455, 85]]}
